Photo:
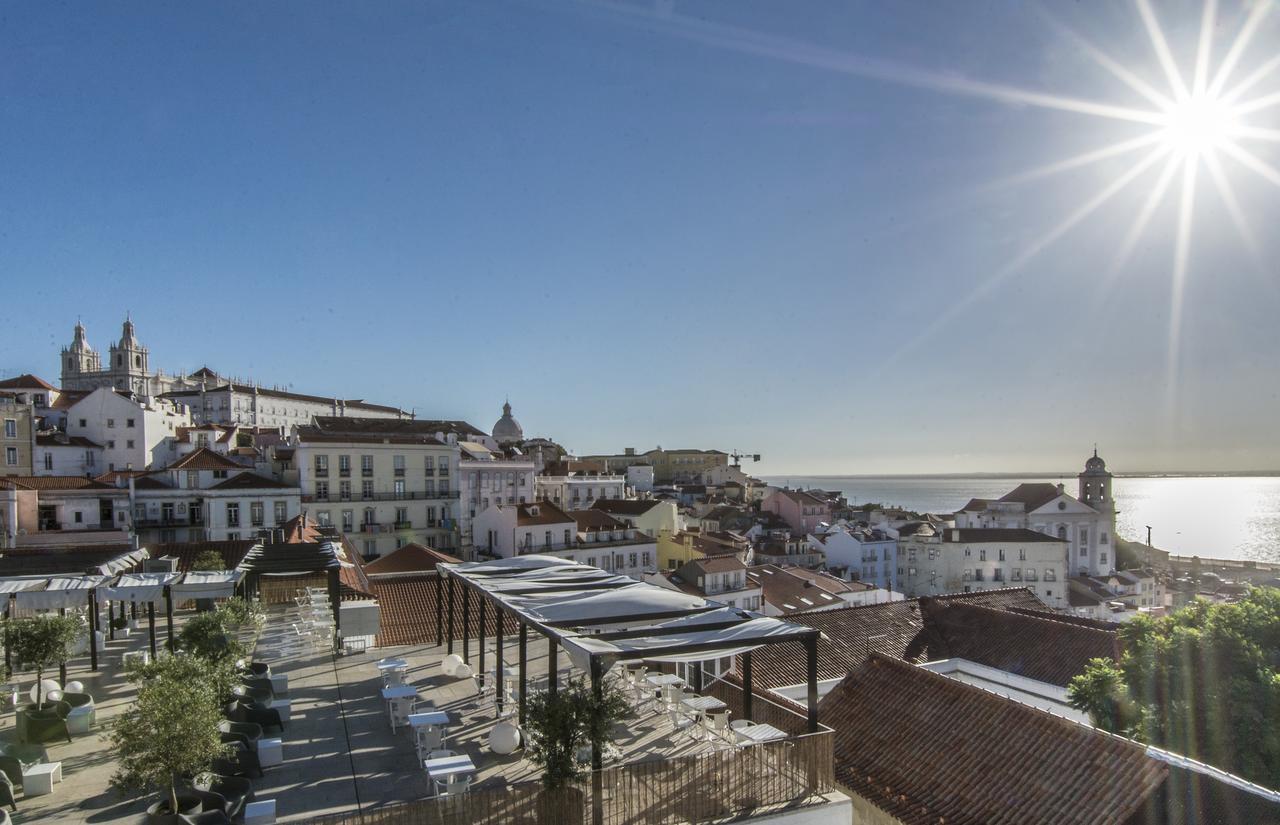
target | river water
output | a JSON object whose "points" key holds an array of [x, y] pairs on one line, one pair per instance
{"points": [[1231, 517]]}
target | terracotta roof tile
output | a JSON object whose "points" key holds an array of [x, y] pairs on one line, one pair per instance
{"points": [[251, 481], [927, 749], [625, 506], [411, 558], [407, 603], [204, 459], [1032, 496], [53, 483], [25, 381]]}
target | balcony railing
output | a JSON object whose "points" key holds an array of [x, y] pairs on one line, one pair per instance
{"points": [[404, 525], [413, 495]]}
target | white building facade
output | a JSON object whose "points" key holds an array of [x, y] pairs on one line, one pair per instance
{"points": [[135, 432], [968, 560]]}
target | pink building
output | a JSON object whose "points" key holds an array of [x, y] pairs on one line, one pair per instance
{"points": [[801, 511]]}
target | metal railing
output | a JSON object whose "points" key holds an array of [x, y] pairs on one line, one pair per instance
{"points": [[415, 495], [732, 784]]}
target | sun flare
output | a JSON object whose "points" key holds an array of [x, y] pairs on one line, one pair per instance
{"points": [[1198, 125]]}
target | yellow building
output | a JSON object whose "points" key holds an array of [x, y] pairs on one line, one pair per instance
{"points": [[17, 438], [676, 549], [683, 465]]}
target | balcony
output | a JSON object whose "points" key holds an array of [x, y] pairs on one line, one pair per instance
{"points": [[344, 473], [172, 521], [405, 525], [366, 472], [322, 473], [417, 495], [370, 527]]}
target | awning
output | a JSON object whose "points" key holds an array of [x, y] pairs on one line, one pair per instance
{"points": [[124, 562], [139, 587], [69, 591], [207, 585], [17, 584]]}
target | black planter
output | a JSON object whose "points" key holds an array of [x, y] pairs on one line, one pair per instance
{"points": [[158, 813]]}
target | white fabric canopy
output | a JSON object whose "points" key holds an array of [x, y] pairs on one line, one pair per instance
{"points": [[207, 584], [68, 591], [612, 607], [517, 564], [140, 587], [123, 562], [15, 585], [741, 638]]}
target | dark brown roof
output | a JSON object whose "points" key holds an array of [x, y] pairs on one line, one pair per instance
{"points": [[53, 483], [251, 481], [149, 483], [408, 616], [248, 389], [25, 381], [981, 534], [64, 440], [187, 551], [626, 506], [594, 519], [849, 634], [539, 512], [927, 749], [411, 558], [975, 504], [44, 561], [392, 426], [1033, 646], [1032, 496], [204, 459], [790, 593]]}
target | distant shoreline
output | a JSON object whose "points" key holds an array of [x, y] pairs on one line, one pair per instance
{"points": [[1072, 474]]}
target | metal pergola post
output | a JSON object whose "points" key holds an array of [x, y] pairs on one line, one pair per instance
{"points": [[499, 668], [747, 692], [62, 666], [480, 678], [111, 619], [170, 642], [553, 667], [597, 761], [93, 629], [8, 613], [466, 625], [453, 589], [151, 626], [335, 602], [524, 668]]}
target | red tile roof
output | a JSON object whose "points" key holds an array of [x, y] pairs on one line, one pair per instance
{"points": [[594, 519], [1032, 496], [1033, 646], [540, 512], [850, 634], [251, 481], [625, 506], [927, 749], [187, 551], [25, 381], [63, 440], [411, 558], [53, 483], [407, 604], [204, 459]]}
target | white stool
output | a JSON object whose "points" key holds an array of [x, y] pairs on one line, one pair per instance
{"points": [[142, 656], [38, 780], [270, 752], [262, 812], [282, 705], [80, 719], [279, 684]]}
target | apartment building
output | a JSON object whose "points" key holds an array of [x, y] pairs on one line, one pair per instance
{"points": [[932, 562], [384, 482], [487, 477], [17, 435], [578, 490], [135, 432], [585, 536]]}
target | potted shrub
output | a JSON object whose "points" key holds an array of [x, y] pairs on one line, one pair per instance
{"points": [[212, 561], [120, 625], [556, 726], [169, 732], [41, 643]]}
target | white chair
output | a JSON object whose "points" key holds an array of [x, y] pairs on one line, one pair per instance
{"points": [[399, 709], [430, 739], [717, 725], [453, 785]]}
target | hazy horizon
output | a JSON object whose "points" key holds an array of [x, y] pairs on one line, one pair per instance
{"points": [[911, 239]]}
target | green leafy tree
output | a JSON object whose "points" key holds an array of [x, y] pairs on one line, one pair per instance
{"points": [[171, 731], [209, 560], [210, 636], [44, 642], [559, 724], [1203, 681]]}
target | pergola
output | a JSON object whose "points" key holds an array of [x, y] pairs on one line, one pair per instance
{"points": [[296, 559], [601, 619], [60, 592]]}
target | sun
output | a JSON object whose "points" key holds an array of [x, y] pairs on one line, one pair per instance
{"points": [[1201, 124]]}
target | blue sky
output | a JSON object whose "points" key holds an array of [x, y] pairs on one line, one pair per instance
{"points": [[745, 225]]}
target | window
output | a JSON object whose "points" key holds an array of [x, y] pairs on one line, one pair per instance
{"points": [[1049, 575], [233, 537], [1102, 558], [322, 466], [399, 487], [322, 490], [84, 423], [566, 543], [444, 465], [366, 489], [111, 422], [219, 473], [48, 461], [256, 517], [344, 490], [982, 554], [1084, 535], [11, 428], [129, 444], [1016, 574], [348, 521], [128, 422], [324, 518], [111, 445], [370, 548], [366, 465], [369, 516], [979, 575], [282, 512], [1102, 538], [402, 517], [397, 465], [1022, 555], [344, 465], [547, 539], [233, 514], [1001, 554], [431, 469]]}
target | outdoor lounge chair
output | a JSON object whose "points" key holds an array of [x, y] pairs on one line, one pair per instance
{"points": [[239, 711], [228, 794], [247, 732], [256, 693], [239, 762], [6, 781], [257, 670]]}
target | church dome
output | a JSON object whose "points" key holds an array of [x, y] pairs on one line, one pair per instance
{"points": [[1095, 463], [507, 430]]}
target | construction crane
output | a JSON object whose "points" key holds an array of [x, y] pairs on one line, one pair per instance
{"points": [[737, 458]]}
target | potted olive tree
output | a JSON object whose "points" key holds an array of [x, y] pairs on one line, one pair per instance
{"points": [[41, 643], [168, 733], [556, 726], [211, 561]]}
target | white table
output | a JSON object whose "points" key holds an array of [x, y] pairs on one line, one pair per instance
{"points": [[270, 752], [443, 768], [429, 717], [663, 679], [284, 706], [38, 779], [399, 692], [392, 664], [756, 734], [704, 703], [262, 812]]}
